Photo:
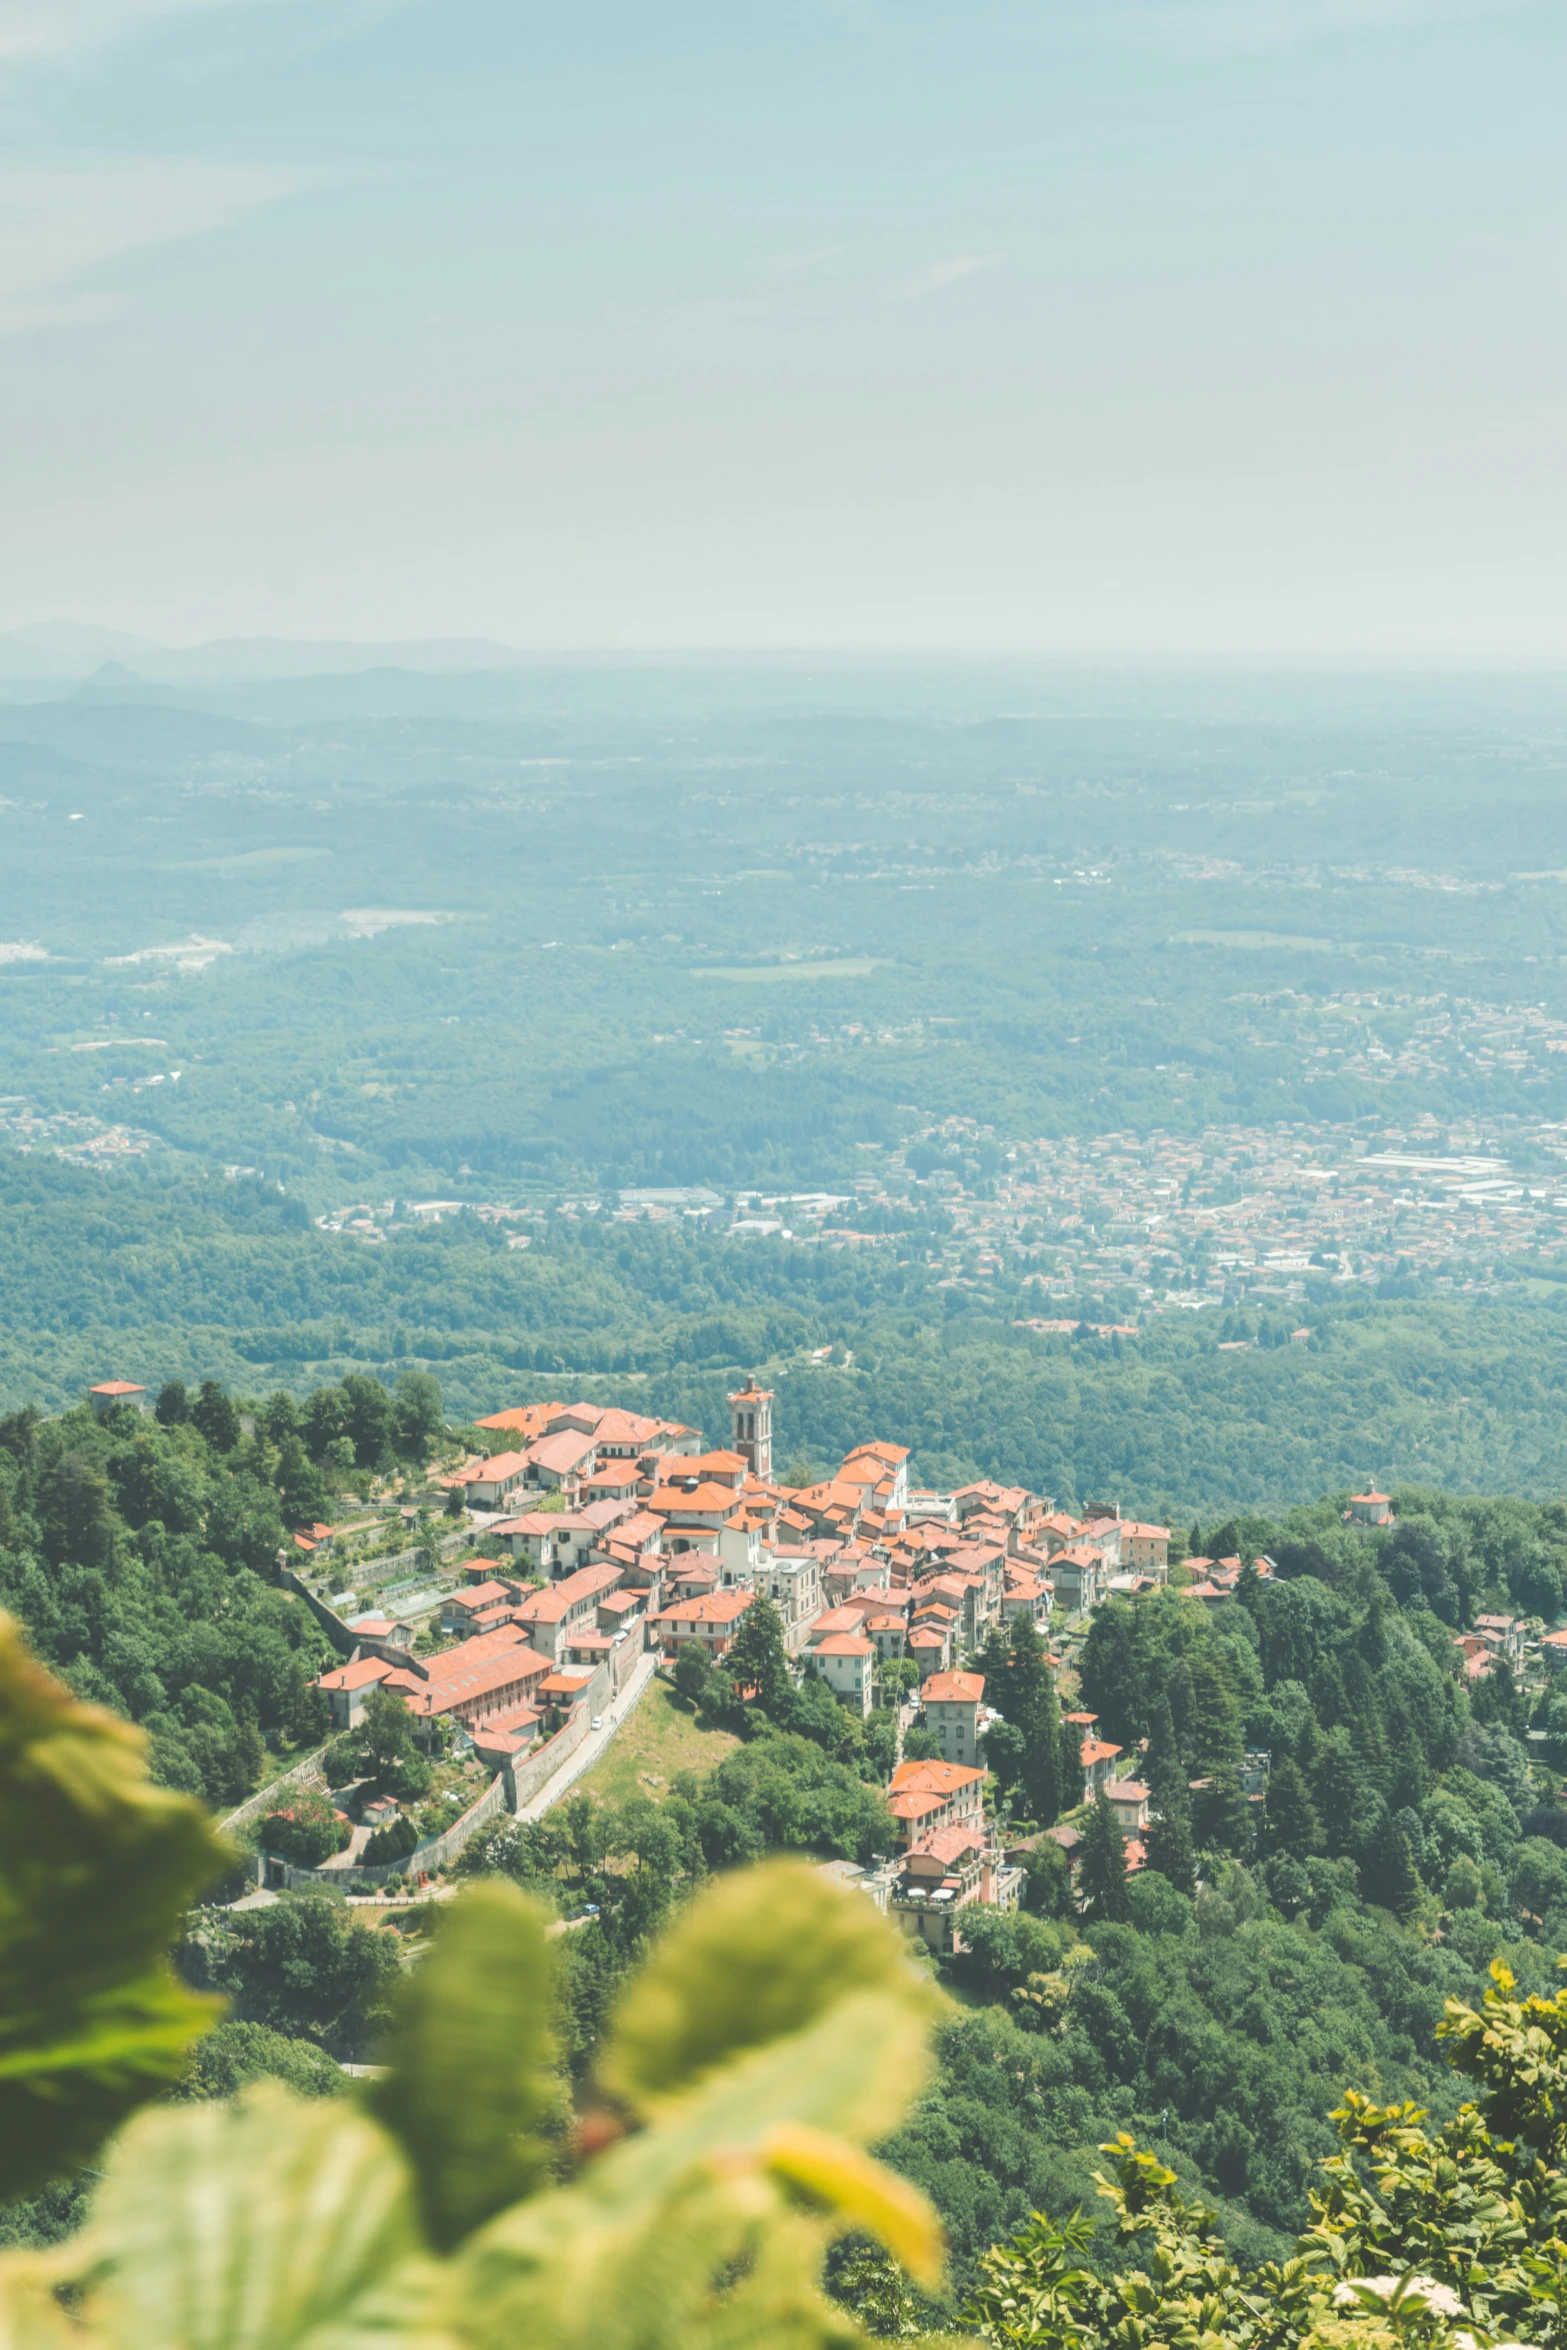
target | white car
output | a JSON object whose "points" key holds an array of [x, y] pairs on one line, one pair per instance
{"points": [[598, 1721]]}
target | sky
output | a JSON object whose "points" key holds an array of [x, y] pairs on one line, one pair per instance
{"points": [[1118, 327]]}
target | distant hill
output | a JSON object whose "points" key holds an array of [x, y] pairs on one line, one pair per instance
{"points": [[63, 649], [113, 730]]}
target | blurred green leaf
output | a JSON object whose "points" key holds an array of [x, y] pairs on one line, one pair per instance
{"points": [[96, 1867], [759, 1956], [707, 2261], [31, 2318], [246, 2226], [859, 2193], [471, 2054], [706, 2230]]}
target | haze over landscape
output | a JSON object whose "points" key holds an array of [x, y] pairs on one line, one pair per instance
{"points": [[783, 1174], [1192, 325]]}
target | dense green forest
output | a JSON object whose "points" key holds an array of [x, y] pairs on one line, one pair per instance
{"points": [[141, 1555], [154, 1279]]}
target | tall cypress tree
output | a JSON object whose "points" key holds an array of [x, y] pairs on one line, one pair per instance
{"points": [[1388, 1876], [1291, 1822], [1071, 1766], [758, 1658], [1101, 1863], [1335, 1786], [1018, 1684], [1038, 1716], [1168, 1841], [1213, 1734]]}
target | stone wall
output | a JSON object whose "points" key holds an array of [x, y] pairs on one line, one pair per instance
{"points": [[255, 1805], [331, 1623], [514, 1785], [437, 1852], [524, 1779]]}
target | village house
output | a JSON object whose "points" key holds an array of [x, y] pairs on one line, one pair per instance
{"points": [[930, 1644], [614, 1480], [489, 1485], [711, 1620], [1145, 1550], [1128, 1799], [887, 1633], [621, 1611], [461, 1610], [467, 1684], [1056, 1530], [560, 1690], [1027, 1594], [535, 1537], [1099, 1759], [847, 1663], [944, 1873], [1478, 1662], [923, 1796], [1009, 1503], [891, 1463], [526, 1422], [1503, 1636], [550, 1615], [792, 1581], [1078, 1574], [116, 1395], [559, 1463], [952, 1702]]}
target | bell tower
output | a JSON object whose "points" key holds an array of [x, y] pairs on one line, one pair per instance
{"points": [[751, 1425]]}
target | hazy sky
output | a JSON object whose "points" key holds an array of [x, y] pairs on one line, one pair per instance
{"points": [[1121, 324]]}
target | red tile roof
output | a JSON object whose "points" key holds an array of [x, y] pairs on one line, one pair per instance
{"points": [[561, 1454], [524, 1419], [954, 1689], [557, 1600], [715, 1607], [934, 1778], [496, 1470]]}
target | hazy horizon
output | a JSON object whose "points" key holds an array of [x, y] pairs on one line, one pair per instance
{"points": [[74, 652], [1219, 329]]}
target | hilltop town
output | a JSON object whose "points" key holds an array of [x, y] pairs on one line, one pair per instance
{"points": [[936, 1639], [612, 1543]]}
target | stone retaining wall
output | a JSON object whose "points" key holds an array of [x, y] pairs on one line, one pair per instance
{"points": [[437, 1852], [265, 1798], [523, 1780]]}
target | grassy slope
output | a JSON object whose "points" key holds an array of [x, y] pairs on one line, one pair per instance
{"points": [[659, 1739]]}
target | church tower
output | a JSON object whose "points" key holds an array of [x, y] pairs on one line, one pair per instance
{"points": [[751, 1422]]}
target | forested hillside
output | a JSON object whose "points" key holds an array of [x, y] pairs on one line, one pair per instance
{"points": [[141, 1555], [1270, 1955], [181, 1278]]}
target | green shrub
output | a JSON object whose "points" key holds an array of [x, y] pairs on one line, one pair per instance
{"points": [[306, 1830], [393, 1842]]}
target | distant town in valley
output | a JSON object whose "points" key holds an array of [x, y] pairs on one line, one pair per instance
{"points": [[1158, 1222]]}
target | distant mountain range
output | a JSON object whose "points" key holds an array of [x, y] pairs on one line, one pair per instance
{"points": [[64, 650]]}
